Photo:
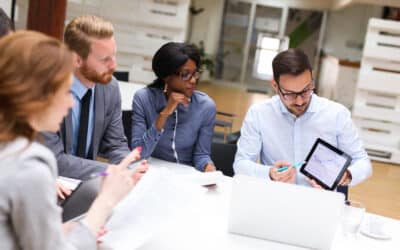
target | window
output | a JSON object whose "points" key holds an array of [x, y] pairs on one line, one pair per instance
{"points": [[267, 48]]}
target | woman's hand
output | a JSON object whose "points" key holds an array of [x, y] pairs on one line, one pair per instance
{"points": [[62, 191], [209, 168], [120, 180], [174, 99]]}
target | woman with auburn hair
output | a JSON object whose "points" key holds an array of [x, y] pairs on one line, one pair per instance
{"points": [[35, 81]]}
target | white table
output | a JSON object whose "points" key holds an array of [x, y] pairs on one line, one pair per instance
{"points": [[205, 227]]}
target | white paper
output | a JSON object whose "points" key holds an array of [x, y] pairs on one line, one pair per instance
{"points": [[159, 196], [69, 183], [203, 179]]}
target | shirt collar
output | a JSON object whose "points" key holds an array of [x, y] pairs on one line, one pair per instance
{"points": [[312, 108], [79, 89]]}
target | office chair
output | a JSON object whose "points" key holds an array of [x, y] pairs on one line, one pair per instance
{"points": [[223, 156], [127, 124], [121, 75], [344, 190], [225, 121]]}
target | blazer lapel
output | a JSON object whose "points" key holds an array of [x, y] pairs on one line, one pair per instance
{"points": [[67, 129], [99, 109]]}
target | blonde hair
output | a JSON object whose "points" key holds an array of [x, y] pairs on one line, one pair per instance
{"points": [[80, 30], [33, 68]]}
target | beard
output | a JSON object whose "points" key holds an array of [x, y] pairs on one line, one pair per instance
{"points": [[93, 76], [299, 110]]}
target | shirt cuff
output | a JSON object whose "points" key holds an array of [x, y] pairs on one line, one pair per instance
{"points": [[81, 237], [154, 133]]}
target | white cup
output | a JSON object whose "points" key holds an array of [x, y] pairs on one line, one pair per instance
{"points": [[353, 215]]}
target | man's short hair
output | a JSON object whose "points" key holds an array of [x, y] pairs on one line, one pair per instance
{"points": [[6, 25], [292, 62], [80, 31]]}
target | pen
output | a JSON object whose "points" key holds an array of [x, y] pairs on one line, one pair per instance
{"points": [[131, 166], [95, 175], [296, 165]]}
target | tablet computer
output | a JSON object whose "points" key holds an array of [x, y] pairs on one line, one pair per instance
{"points": [[325, 164]]}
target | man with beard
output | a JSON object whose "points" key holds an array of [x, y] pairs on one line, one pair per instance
{"points": [[280, 131], [94, 125]]}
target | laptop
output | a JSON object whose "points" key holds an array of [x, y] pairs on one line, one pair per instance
{"points": [[80, 199], [285, 213]]}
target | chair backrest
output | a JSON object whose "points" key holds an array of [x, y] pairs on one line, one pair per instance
{"points": [[223, 156], [344, 190], [127, 123]]}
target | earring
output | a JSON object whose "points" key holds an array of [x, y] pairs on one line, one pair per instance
{"points": [[165, 88]]}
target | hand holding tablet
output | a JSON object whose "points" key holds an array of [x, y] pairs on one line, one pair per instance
{"points": [[325, 164]]}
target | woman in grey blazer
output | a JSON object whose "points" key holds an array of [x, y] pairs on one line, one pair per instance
{"points": [[35, 81]]}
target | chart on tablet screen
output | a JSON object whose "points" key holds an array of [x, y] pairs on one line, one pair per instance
{"points": [[325, 164]]}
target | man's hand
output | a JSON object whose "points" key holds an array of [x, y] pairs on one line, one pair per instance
{"points": [[314, 184], [346, 179], [287, 176]]}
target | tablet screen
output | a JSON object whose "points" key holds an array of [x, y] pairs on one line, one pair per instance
{"points": [[326, 164]]}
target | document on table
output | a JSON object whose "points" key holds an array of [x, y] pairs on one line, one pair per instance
{"points": [[202, 178], [158, 197]]}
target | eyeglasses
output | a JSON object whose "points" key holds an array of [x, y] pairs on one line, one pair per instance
{"points": [[186, 76], [292, 96]]}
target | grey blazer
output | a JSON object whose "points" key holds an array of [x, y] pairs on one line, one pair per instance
{"points": [[29, 215], [108, 139]]}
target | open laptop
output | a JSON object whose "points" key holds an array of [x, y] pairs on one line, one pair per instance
{"points": [[286, 213]]}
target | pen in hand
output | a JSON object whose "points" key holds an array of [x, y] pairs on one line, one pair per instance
{"points": [[296, 165]]}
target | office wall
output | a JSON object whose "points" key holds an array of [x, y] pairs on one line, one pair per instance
{"points": [[206, 26], [6, 5], [344, 37], [346, 29]]}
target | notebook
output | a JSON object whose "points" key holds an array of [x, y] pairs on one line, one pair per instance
{"points": [[285, 213]]}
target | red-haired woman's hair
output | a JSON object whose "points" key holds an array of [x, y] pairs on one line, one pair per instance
{"points": [[33, 68]]}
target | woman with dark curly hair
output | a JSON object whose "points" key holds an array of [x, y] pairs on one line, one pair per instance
{"points": [[171, 120]]}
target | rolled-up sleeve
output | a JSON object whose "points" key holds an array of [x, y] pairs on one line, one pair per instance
{"points": [[143, 136], [249, 148], [201, 154], [349, 141]]}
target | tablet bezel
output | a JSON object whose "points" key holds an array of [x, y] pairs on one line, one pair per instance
{"points": [[334, 149]]}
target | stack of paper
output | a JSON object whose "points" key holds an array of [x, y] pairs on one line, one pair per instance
{"points": [[159, 197]]}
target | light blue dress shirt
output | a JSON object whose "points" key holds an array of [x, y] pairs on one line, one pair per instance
{"points": [[271, 133], [78, 90], [187, 134]]}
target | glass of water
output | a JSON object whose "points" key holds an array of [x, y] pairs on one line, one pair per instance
{"points": [[353, 215]]}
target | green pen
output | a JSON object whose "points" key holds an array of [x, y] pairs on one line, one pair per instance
{"points": [[296, 165]]}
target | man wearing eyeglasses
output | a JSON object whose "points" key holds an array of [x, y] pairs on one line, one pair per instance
{"points": [[280, 131]]}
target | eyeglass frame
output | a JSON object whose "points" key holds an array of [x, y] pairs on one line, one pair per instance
{"points": [[196, 74], [296, 94]]}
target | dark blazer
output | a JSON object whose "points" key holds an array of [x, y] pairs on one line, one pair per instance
{"points": [[108, 138]]}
